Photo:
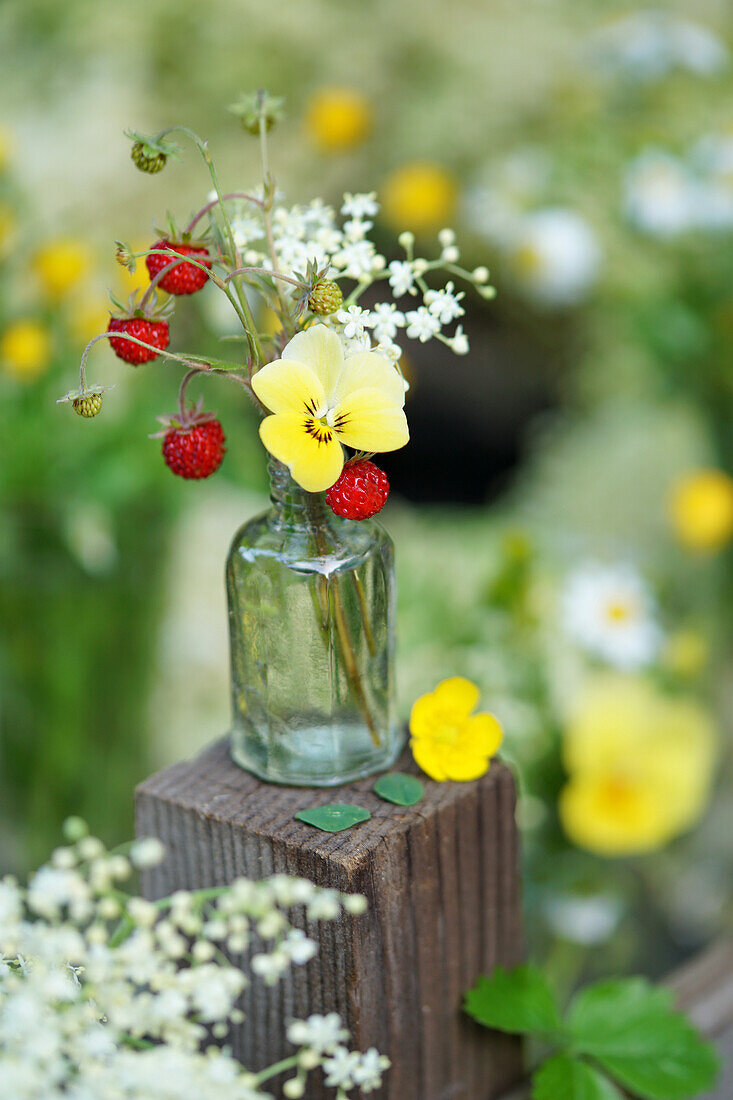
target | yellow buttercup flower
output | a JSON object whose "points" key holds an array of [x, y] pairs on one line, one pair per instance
{"points": [[447, 739], [61, 265], [701, 509], [321, 400], [338, 118], [24, 349], [420, 196], [640, 765]]}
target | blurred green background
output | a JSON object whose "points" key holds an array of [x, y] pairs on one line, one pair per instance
{"points": [[584, 151]]}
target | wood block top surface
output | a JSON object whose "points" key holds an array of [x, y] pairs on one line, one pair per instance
{"points": [[214, 787]]}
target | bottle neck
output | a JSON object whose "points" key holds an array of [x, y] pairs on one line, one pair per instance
{"points": [[293, 506]]}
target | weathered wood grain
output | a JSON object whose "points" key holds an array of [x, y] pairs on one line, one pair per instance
{"points": [[442, 880]]}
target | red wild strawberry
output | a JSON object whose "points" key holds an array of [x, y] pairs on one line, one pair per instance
{"points": [[360, 492], [195, 451], [183, 278], [142, 328]]}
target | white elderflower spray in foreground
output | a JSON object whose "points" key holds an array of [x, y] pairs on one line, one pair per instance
{"points": [[108, 996]]}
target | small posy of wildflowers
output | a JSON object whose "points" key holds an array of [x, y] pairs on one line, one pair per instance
{"points": [[307, 266], [112, 996], [447, 739]]}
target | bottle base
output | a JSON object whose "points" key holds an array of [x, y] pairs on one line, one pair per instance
{"points": [[251, 755]]}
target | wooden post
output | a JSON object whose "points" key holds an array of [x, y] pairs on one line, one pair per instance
{"points": [[442, 880]]}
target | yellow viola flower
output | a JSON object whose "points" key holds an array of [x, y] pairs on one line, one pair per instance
{"points": [[321, 400], [25, 348], [701, 509], [447, 739], [61, 265], [640, 765], [338, 119], [421, 196]]}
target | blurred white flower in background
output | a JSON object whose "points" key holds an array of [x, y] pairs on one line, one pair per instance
{"points": [[554, 257], [583, 919], [666, 196], [608, 611], [659, 194], [649, 45]]}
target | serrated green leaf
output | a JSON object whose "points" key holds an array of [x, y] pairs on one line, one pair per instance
{"points": [[403, 790], [519, 1000], [631, 1029], [564, 1078], [334, 817]]}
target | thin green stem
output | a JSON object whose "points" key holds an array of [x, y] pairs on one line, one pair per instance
{"points": [[248, 320], [277, 1068], [217, 202], [364, 613], [271, 272]]}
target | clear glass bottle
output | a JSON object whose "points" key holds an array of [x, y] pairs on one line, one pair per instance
{"points": [[311, 613]]}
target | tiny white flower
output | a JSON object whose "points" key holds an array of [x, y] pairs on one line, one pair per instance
{"points": [[297, 945], [368, 1074], [458, 343], [321, 1034], [356, 229], [446, 237], [445, 304], [481, 274], [450, 255], [354, 319], [360, 206], [385, 318], [402, 278], [421, 324], [608, 611], [339, 1068]]}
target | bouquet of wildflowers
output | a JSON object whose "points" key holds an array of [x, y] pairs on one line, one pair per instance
{"points": [[325, 374], [109, 996]]}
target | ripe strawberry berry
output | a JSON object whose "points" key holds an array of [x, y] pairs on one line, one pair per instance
{"points": [[195, 451], [142, 328], [183, 278], [360, 492]]}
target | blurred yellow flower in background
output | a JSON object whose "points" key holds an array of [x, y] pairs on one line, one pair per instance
{"points": [[8, 223], [6, 146], [639, 763], [447, 740], [139, 279], [60, 265], [88, 318], [701, 509], [24, 349], [421, 196], [686, 653], [338, 118]]}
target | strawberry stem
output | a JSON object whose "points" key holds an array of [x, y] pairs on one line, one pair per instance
{"points": [[216, 202]]}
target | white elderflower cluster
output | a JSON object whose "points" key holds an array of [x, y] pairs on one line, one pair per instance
{"points": [[108, 996], [341, 249]]}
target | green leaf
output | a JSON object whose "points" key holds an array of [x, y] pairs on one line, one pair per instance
{"points": [[403, 790], [569, 1079], [516, 1000], [335, 817], [631, 1029]]}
